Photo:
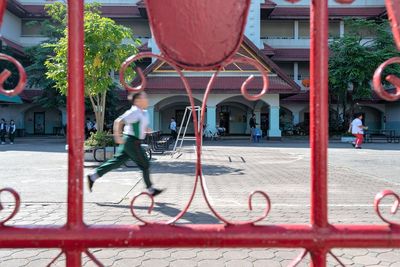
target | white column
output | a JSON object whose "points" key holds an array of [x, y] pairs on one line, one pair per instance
{"points": [[296, 71], [156, 123], [274, 130], [252, 30], [63, 116], [341, 29], [258, 117], [150, 111], [212, 118], [249, 113], [296, 117], [296, 29]]}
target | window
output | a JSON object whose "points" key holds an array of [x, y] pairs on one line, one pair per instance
{"points": [[334, 29], [304, 29], [277, 29], [140, 28], [31, 27]]}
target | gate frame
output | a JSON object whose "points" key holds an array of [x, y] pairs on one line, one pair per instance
{"points": [[316, 238]]}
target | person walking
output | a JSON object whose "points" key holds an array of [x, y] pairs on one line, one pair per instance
{"points": [[135, 123], [11, 131], [252, 124], [172, 127], [357, 129], [3, 131]]}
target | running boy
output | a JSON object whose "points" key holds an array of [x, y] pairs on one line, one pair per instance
{"points": [[135, 122], [357, 129]]}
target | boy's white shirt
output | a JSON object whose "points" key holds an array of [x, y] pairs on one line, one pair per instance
{"points": [[355, 126]]}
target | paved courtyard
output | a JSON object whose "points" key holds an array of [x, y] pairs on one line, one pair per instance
{"points": [[37, 168]]}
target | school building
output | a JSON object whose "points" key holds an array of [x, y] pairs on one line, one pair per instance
{"points": [[277, 36]]}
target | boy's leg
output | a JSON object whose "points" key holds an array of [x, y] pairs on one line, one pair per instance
{"points": [[12, 135], [137, 154], [113, 163]]}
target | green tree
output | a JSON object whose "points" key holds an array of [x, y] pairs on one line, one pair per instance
{"points": [[354, 59], [106, 47]]}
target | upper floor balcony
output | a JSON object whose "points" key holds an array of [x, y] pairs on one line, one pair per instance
{"points": [[332, 3]]}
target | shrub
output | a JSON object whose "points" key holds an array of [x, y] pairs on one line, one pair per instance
{"points": [[100, 139]]}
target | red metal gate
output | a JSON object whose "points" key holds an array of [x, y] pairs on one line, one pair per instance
{"points": [[318, 238]]}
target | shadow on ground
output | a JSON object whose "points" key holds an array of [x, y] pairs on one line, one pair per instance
{"points": [[170, 211]]}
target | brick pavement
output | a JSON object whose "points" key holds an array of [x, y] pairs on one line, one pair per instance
{"points": [[280, 169]]}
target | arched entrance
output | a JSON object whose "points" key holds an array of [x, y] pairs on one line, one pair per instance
{"points": [[172, 107], [372, 117], [233, 114]]}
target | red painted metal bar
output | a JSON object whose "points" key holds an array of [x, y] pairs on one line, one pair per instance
{"points": [[319, 111], [76, 111], [284, 236], [73, 258]]}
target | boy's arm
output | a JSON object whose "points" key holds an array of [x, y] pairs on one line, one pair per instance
{"points": [[118, 124]]}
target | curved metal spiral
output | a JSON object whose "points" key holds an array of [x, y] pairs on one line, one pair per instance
{"points": [[244, 91], [379, 197], [377, 81], [16, 207], [142, 87], [6, 74]]}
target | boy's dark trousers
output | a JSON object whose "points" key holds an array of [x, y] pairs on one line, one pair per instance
{"points": [[12, 137], [131, 149], [174, 134], [2, 135]]}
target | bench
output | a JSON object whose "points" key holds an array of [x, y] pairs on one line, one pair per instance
{"points": [[158, 143], [381, 135]]}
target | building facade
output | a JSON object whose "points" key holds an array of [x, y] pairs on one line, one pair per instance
{"points": [[276, 36]]}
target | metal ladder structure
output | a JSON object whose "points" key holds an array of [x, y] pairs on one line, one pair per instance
{"points": [[184, 124]]}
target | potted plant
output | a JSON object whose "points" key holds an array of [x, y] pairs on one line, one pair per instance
{"points": [[99, 140], [198, 35]]}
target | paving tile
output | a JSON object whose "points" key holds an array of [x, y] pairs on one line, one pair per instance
{"points": [[183, 263]]}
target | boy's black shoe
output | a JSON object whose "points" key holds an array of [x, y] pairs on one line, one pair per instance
{"points": [[90, 183], [154, 191]]}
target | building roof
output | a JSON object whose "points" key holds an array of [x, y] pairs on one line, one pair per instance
{"points": [[28, 95], [17, 48], [304, 12], [128, 11], [292, 54], [16, 8], [231, 77]]}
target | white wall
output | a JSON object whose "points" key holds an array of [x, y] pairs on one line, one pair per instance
{"points": [[13, 112], [393, 116], [11, 28], [252, 30]]}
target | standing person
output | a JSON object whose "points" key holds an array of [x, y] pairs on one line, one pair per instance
{"points": [[11, 131], [135, 122], [357, 129], [88, 127], [172, 127], [3, 131], [252, 124]]}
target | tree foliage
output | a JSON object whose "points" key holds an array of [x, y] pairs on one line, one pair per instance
{"points": [[107, 45], [355, 57]]}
